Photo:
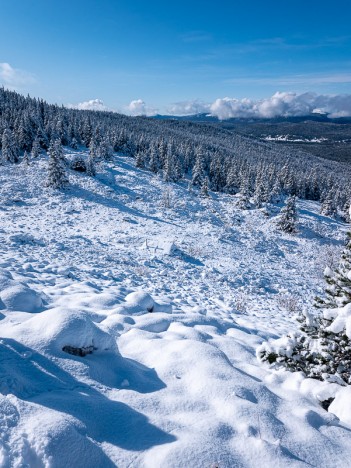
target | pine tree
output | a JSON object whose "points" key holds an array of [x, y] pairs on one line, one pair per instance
{"points": [[10, 151], [276, 194], [244, 200], [288, 216], [57, 177], [105, 150], [338, 291], [259, 195], [140, 159], [154, 161], [90, 166], [322, 349], [74, 143], [198, 170], [169, 168], [26, 158], [35, 152], [328, 207], [204, 187]]}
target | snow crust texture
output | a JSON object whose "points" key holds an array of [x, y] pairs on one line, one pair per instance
{"points": [[129, 329]]}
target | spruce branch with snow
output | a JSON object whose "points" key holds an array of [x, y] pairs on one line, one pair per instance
{"points": [[322, 350]]}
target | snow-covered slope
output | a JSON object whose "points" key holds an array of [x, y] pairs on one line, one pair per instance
{"points": [[130, 314]]}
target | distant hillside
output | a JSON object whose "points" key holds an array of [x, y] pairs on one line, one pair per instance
{"points": [[315, 133], [219, 156]]}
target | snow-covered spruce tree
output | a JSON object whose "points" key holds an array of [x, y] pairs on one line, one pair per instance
{"points": [[57, 177], [105, 150], [74, 143], [35, 152], [259, 195], [288, 216], [276, 194], [92, 157], [26, 158], [322, 350], [244, 198], [338, 290], [140, 159], [204, 187], [198, 169], [328, 207], [10, 151], [90, 166], [169, 167], [154, 164]]}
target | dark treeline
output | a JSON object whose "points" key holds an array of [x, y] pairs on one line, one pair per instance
{"points": [[209, 156]]}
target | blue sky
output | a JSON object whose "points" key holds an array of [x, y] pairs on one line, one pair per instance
{"points": [[169, 52]]}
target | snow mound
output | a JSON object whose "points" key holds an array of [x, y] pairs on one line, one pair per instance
{"points": [[140, 302], [56, 329], [141, 299], [341, 406], [18, 296]]}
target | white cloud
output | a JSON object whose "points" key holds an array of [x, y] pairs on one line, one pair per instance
{"points": [[139, 107], [283, 104], [189, 108], [14, 77], [93, 104]]}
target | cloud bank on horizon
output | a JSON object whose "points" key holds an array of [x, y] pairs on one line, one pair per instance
{"points": [[281, 104]]}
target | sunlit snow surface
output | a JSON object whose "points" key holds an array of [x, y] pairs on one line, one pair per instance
{"points": [[171, 304]]}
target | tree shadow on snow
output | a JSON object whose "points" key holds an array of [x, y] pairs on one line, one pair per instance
{"points": [[33, 377]]}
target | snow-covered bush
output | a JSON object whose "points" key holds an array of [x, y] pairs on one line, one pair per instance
{"points": [[289, 302], [78, 164], [322, 350]]}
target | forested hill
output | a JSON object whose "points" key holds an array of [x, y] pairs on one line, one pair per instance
{"points": [[209, 156]]}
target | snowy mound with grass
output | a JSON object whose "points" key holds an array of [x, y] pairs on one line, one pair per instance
{"points": [[130, 314]]}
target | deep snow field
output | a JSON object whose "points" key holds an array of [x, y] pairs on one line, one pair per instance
{"points": [[172, 293]]}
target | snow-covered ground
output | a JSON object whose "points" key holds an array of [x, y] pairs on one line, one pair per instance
{"points": [[168, 295]]}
